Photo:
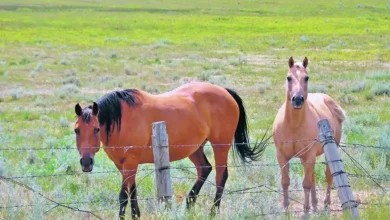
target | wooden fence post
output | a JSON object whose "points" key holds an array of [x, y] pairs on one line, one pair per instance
{"points": [[161, 161], [337, 168]]}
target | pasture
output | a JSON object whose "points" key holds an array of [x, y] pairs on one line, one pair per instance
{"points": [[54, 54]]}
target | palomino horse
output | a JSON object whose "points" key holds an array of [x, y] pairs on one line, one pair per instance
{"points": [[297, 120], [194, 114]]}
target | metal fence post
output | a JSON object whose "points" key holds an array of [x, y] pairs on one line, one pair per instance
{"points": [[337, 168]]}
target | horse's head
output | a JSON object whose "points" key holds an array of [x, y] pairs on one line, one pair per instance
{"points": [[297, 81], [87, 135]]}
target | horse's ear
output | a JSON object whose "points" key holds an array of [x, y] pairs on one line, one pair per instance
{"points": [[291, 62], [95, 108], [78, 110], [305, 62]]}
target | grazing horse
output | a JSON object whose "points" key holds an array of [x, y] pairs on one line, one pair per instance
{"points": [[194, 113], [297, 120]]}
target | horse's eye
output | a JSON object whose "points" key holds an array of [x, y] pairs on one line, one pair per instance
{"points": [[77, 131], [289, 78], [306, 78], [96, 130]]}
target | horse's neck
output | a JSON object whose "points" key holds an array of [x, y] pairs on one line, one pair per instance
{"points": [[295, 117]]}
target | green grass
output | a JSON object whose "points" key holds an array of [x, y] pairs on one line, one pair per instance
{"points": [[55, 54]]}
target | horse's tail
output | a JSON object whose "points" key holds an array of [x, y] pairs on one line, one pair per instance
{"points": [[337, 110], [241, 139]]}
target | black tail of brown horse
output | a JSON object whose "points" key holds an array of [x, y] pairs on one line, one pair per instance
{"points": [[242, 145]]}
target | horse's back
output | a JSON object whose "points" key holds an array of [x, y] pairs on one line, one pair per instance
{"points": [[326, 107], [214, 103], [207, 108]]}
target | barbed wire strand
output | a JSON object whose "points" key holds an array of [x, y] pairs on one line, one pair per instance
{"points": [[57, 204], [147, 169], [132, 147], [363, 169], [341, 145], [355, 145]]}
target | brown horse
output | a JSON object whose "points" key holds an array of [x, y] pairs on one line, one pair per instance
{"points": [[297, 120], [194, 114]]}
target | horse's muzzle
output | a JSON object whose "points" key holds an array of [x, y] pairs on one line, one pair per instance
{"points": [[86, 164], [297, 101]]}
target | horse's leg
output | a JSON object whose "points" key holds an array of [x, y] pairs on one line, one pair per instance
{"points": [[314, 200], [329, 180], [308, 180], [285, 167], [203, 168], [128, 188], [221, 153]]}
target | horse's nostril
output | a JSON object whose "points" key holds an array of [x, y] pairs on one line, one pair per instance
{"points": [[86, 161], [293, 99]]}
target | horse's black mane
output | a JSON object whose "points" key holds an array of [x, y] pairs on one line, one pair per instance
{"points": [[110, 108]]}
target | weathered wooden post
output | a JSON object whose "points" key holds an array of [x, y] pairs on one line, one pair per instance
{"points": [[336, 166], [161, 161]]}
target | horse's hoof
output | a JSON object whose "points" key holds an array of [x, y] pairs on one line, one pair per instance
{"points": [[306, 209], [190, 203]]}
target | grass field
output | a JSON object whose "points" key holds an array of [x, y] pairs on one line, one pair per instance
{"points": [[54, 54]]}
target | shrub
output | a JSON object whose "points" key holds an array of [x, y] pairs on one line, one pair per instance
{"points": [[64, 62], [129, 71], [219, 80], [235, 61], [17, 93], [24, 61], [261, 88], [317, 88], [67, 90], [70, 72], [40, 101], [160, 43], [71, 80], [203, 76], [382, 89], [359, 87], [348, 99], [305, 39], [379, 75], [114, 54], [64, 122]]}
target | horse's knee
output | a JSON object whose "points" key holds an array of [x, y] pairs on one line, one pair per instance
{"points": [[307, 186], [285, 180]]}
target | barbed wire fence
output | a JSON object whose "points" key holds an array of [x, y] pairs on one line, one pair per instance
{"points": [[377, 179]]}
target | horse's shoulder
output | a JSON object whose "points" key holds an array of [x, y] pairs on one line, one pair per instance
{"points": [[279, 119]]}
